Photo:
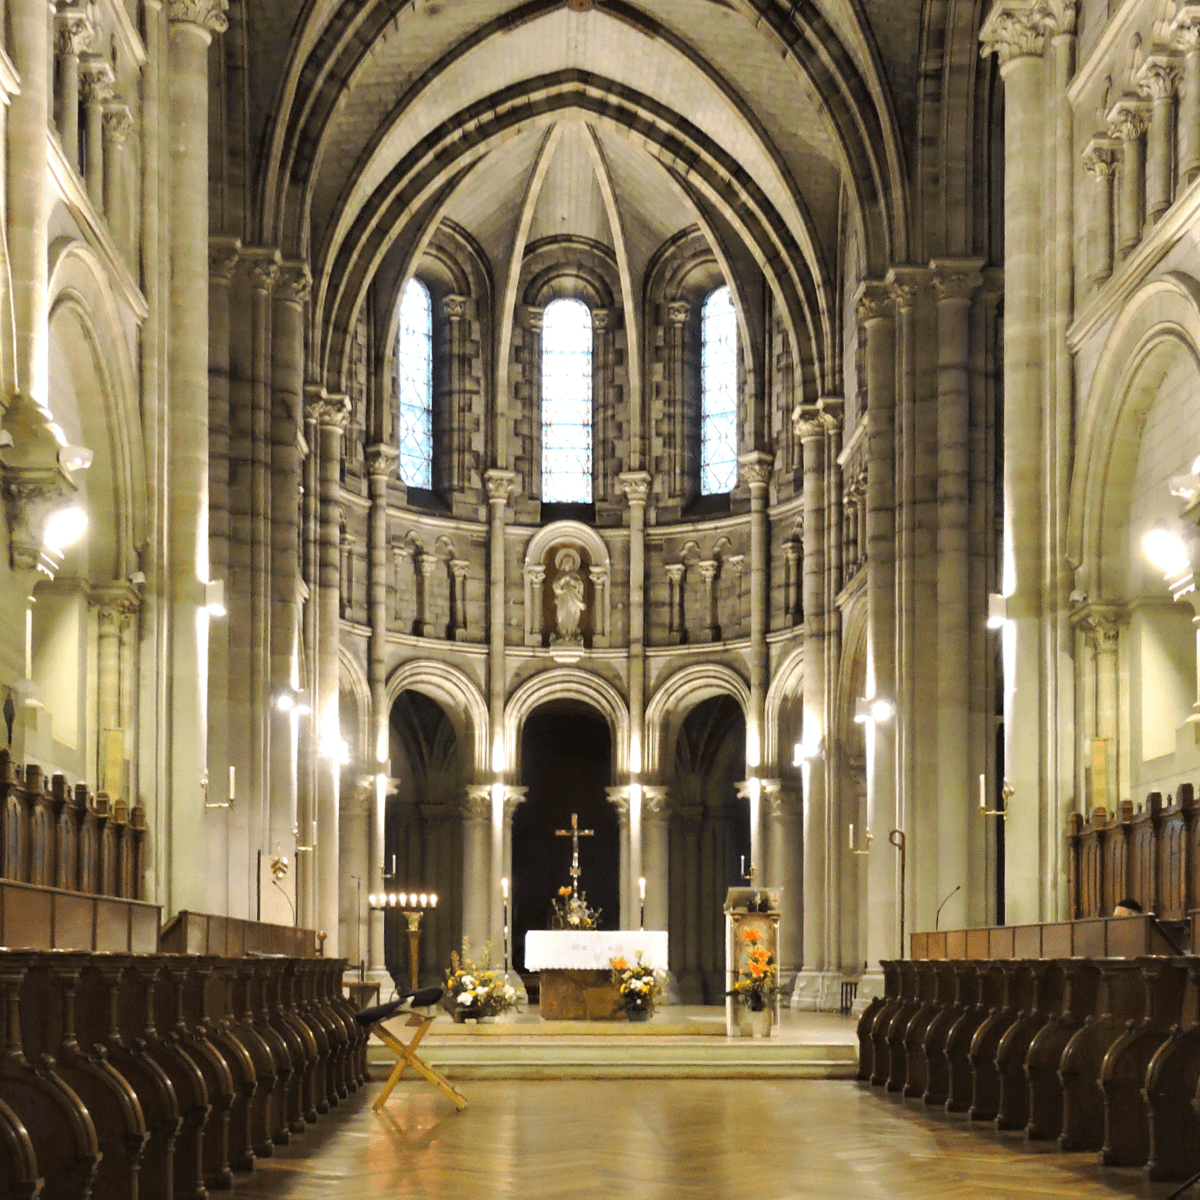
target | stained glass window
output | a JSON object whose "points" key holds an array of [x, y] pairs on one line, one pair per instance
{"points": [[414, 380], [566, 403], [718, 388]]}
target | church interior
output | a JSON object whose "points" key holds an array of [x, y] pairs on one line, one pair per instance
{"points": [[551, 480]]}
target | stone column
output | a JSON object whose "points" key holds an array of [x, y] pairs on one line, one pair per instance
{"points": [[458, 573], [674, 572], [73, 36], [618, 797], [1016, 34], [678, 312], [1185, 29], [354, 823], [477, 870], [382, 464], [97, 74], [656, 829], [955, 282], [636, 486], [1128, 121], [599, 580], [1102, 626], [454, 308], [811, 983], [602, 459], [1157, 81], [535, 578], [1100, 160], [193, 23], [784, 812], [331, 415], [118, 125], [514, 797], [708, 573]]}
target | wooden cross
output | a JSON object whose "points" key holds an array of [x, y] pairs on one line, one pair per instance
{"points": [[574, 833]]}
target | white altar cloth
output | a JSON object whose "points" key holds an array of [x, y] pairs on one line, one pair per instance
{"points": [[591, 949]]}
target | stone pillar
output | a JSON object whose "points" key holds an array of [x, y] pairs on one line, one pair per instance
{"points": [[513, 798], [636, 486], [811, 983], [678, 312], [1016, 34], [535, 578], [73, 36], [97, 76], [477, 870], [708, 573], [454, 308], [785, 814], [656, 829], [1157, 81], [599, 581], [1100, 160], [458, 607], [353, 826], [331, 415], [1128, 121], [500, 485], [1101, 625], [1185, 29], [674, 572], [955, 282], [193, 23], [603, 459], [118, 125], [618, 797]]}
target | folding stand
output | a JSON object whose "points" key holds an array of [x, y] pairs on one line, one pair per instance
{"points": [[407, 1056]]}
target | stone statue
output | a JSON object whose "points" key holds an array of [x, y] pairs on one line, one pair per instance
{"points": [[568, 597]]}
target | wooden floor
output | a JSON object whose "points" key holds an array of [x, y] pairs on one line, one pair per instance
{"points": [[669, 1140]]}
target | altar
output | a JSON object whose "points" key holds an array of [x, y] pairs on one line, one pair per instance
{"points": [[576, 975]]}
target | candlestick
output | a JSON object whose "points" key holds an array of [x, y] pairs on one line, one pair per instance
{"points": [[504, 887], [851, 835], [982, 793], [393, 864], [642, 886]]}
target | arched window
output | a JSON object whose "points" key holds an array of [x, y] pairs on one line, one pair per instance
{"points": [[414, 383], [566, 403], [718, 394]]}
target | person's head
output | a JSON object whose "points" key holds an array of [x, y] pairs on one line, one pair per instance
{"points": [[1128, 907]]}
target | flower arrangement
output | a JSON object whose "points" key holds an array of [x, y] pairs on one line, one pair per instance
{"points": [[757, 983], [640, 985], [571, 911], [474, 989]]}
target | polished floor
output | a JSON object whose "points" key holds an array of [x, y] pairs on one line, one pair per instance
{"points": [[668, 1140]]}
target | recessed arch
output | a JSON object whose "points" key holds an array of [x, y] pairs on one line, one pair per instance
{"points": [[352, 682], [456, 692], [677, 694], [787, 683]]}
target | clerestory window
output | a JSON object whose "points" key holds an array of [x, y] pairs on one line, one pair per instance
{"points": [[566, 403], [414, 384], [718, 394]]}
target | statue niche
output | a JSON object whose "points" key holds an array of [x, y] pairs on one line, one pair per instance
{"points": [[568, 599]]}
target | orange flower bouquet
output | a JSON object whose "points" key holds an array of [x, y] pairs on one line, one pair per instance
{"points": [[757, 983]]}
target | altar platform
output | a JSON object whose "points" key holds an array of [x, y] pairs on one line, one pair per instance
{"points": [[679, 1042]]}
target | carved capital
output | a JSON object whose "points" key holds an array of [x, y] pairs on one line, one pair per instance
{"points": [[328, 412], [531, 317], [262, 269], [618, 797], [905, 285], [1185, 28], [32, 496], [1128, 120], [873, 303], [209, 15], [806, 422], [957, 279], [756, 467], [223, 255], [74, 30], [514, 797], [118, 123], [598, 575], [1015, 29], [96, 78], [500, 485], [294, 285], [382, 459], [1100, 159], [427, 564], [535, 573], [1158, 78], [678, 312], [708, 569], [459, 568], [1101, 624], [654, 802], [737, 563], [635, 485], [454, 307], [600, 320], [674, 572], [477, 804]]}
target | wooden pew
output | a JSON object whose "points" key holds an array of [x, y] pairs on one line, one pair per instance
{"points": [[989, 996], [866, 1023], [1012, 1051], [931, 991], [1172, 1082], [880, 1059], [19, 1178], [937, 1037], [1016, 997]]}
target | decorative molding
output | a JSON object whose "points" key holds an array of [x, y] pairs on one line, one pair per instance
{"points": [[328, 412], [294, 285], [382, 459], [500, 485], [756, 467], [210, 15], [1018, 28], [1158, 78], [1128, 119], [635, 485]]}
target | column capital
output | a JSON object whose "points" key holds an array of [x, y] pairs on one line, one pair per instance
{"points": [[32, 496], [1101, 624], [535, 573], [708, 569], [223, 254], [1018, 28], [618, 797], [1100, 158], [600, 319], [957, 278], [674, 571], [1129, 118], [294, 285], [905, 285], [454, 306], [74, 30], [756, 467], [832, 410], [598, 574], [635, 485], [1158, 78], [678, 312], [806, 422], [654, 801], [382, 459], [1185, 27], [426, 563], [96, 78], [514, 797], [329, 412], [118, 121], [872, 302], [212, 16], [500, 485], [459, 568], [477, 803], [262, 267], [530, 316]]}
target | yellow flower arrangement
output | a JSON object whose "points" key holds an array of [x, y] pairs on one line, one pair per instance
{"points": [[474, 989], [639, 985], [757, 983]]}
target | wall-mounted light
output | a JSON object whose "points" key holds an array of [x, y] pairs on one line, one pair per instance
{"points": [[64, 527], [1166, 551], [214, 597], [997, 611], [293, 700], [877, 709], [75, 458], [335, 749]]}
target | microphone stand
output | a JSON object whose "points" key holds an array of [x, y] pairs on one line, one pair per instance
{"points": [[943, 904]]}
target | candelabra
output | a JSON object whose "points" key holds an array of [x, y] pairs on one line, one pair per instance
{"points": [[413, 906]]}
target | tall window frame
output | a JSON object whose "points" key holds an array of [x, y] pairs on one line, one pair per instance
{"points": [[718, 393], [414, 384], [567, 416]]}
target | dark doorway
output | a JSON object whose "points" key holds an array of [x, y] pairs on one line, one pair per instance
{"points": [[566, 762]]}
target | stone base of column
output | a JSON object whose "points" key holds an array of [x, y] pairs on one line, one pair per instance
{"points": [[817, 991], [870, 986]]}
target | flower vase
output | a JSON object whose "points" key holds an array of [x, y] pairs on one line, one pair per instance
{"points": [[760, 1022], [459, 1016], [639, 1013]]}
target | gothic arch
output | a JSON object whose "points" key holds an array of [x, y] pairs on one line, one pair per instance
{"points": [[560, 531], [787, 684], [457, 693], [1164, 313], [567, 683], [687, 686]]}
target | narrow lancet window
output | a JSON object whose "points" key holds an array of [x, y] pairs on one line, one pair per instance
{"points": [[718, 387], [414, 383], [566, 403]]}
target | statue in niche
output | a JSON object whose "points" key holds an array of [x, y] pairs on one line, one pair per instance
{"points": [[568, 598]]}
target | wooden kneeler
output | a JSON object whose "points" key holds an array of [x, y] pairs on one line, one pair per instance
{"points": [[407, 1056]]}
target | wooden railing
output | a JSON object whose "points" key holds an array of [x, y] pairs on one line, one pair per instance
{"points": [[1149, 854], [202, 933], [56, 836]]}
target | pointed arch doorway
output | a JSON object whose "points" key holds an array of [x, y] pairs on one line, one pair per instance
{"points": [[567, 765]]}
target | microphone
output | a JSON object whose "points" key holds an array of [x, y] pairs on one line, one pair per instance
{"points": [[943, 905]]}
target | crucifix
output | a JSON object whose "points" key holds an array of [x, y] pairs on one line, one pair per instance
{"points": [[574, 833]]}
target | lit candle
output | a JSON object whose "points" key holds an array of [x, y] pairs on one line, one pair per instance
{"points": [[232, 782], [504, 887], [743, 866], [642, 886], [851, 835], [983, 793], [393, 864]]}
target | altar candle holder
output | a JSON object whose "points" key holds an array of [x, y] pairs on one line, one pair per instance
{"points": [[504, 895], [869, 840], [413, 906], [641, 902], [1006, 793]]}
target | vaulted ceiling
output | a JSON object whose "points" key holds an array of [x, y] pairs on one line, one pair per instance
{"points": [[773, 127]]}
